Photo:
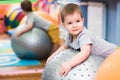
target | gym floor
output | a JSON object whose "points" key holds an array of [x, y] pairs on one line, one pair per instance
{"points": [[24, 72]]}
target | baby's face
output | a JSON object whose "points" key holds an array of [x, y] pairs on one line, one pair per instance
{"points": [[74, 23]]}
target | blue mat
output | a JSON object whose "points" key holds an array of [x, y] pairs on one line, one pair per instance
{"points": [[13, 60], [8, 58]]}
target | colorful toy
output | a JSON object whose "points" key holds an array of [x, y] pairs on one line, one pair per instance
{"points": [[13, 16], [3, 10]]}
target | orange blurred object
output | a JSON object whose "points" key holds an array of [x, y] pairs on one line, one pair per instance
{"points": [[110, 68], [3, 9], [46, 16]]}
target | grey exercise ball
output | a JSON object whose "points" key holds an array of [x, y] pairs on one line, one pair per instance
{"points": [[84, 71], [34, 44]]}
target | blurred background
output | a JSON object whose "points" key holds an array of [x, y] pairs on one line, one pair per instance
{"points": [[102, 17]]}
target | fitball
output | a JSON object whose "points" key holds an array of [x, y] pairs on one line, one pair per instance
{"points": [[110, 68], [84, 71], [34, 44]]}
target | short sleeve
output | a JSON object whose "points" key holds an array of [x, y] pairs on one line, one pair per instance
{"points": [[30, 19], [84, 40]]}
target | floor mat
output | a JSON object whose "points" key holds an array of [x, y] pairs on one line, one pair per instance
{"points": [[5, 46], [8, 57]]}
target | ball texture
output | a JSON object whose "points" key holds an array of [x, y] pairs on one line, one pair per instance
{"points": [[84, 71], [34, 44]]}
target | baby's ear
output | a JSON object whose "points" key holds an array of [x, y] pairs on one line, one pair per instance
{"points": [[82, 19], [62, 23]]}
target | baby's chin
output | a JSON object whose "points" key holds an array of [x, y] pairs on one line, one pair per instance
{"points": [[75, 34]]}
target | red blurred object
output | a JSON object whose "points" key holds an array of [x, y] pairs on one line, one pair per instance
{"points": [[3, 10], [3, 29]]}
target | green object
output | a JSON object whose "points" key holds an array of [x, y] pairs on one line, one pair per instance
{"points": [[13, 1]]}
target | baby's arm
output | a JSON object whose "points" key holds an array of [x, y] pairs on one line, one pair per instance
{"points": [[80, 57], [63, 47], [27, 28]]}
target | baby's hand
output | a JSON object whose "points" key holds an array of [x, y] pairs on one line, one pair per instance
{"points": [[49, 58], [65, 68], [18, 34]]}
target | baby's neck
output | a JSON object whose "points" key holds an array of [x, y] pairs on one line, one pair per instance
{"points": [[74, 38]]}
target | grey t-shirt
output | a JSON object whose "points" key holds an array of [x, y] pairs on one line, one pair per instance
{"points": [[38, 21], [98, 46]]}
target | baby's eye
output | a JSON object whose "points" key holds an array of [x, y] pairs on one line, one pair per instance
{"points": [[78, 21], [70, 23]]}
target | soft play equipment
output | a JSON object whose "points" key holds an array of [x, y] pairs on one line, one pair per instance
{"points": [[13, 17], [110, 68], [34, 44], [2, 26], [3, 9], [83, 71]]}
